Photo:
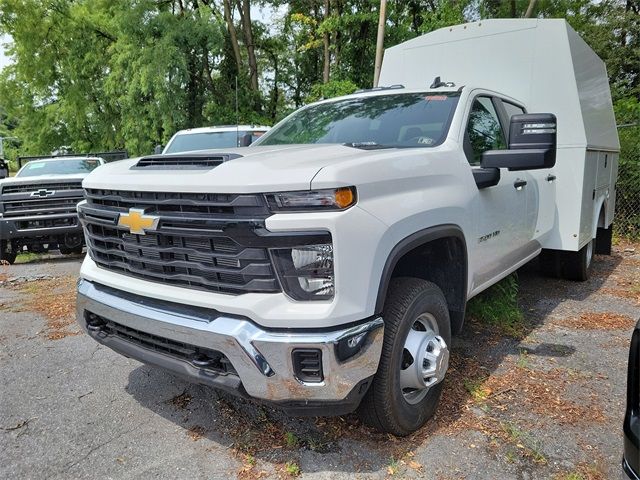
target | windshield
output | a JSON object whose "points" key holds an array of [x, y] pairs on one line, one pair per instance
{"points": [[395, 120], [208, 140], [58, 167]]}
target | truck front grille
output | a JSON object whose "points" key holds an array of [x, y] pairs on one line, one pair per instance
{"points": [[32, 187], [41, 205], [44, 206], [202, 241]]}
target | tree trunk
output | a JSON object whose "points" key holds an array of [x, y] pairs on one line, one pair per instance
{"points": [[232, 34], [325, 42], [529, 12], [513, 9], [245, 14]]}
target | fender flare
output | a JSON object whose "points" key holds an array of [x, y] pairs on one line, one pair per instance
{"points": [[415, 240]]}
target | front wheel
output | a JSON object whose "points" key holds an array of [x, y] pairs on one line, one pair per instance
{"points": [[7, 256], [415, 357]]}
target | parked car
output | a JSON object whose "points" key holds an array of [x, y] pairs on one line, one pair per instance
{"points": [[631, 460], [326, 267], [38, 206], [212, 138]]}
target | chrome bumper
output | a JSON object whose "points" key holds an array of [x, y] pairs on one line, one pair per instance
{"points": [[262, 359]]}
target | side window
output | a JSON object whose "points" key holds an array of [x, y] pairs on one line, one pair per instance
{"points": [[483, 130]]}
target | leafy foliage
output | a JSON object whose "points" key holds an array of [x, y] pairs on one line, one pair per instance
{"points": [[104, 74], [498, 306]]}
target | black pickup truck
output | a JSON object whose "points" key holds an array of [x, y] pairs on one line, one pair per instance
{"points": [[38, 206], [631, 460]]}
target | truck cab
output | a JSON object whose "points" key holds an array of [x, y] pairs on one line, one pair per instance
{"points": [[326, 267], [208, 138]]}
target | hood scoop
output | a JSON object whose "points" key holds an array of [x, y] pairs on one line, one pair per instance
{"points": [[191, 161]]}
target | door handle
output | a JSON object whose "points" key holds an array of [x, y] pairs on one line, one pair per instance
{"points": [[551, 178], [519, 184]]}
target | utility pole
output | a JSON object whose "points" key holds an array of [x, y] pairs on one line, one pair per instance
{"points": [[380, 41], [2, 139]]}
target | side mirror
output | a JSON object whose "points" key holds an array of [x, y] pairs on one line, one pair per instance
{"points": [[158, 150], [532, 144], [246, 140]]}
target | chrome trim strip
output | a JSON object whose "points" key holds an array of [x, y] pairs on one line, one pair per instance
{"points": [[262, 358]]}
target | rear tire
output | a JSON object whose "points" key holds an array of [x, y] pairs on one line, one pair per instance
{"points": [[387, 406], [577, 265]]}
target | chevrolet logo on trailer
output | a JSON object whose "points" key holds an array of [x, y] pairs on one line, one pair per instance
{"points": [[43, 193], [137, 222]]}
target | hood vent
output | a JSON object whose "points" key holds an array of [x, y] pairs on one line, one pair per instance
{"points": [[192, 161]]}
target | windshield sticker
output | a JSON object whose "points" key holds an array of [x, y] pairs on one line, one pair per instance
{"points": [[92, 163], [436, 98]]}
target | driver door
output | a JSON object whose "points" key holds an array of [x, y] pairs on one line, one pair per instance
{"points": [[499, 211]]}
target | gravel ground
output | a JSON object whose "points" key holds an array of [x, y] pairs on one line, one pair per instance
{"points": [[548, 404]]}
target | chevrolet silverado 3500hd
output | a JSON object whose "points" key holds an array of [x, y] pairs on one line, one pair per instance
{"points": [[325, 268]]}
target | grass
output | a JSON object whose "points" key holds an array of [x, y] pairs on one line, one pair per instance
{"points": [[498, 306], [476, 388], [27, 257], [525, 441], [292, 469], [523, 359], [291, 439], [394, 465]]}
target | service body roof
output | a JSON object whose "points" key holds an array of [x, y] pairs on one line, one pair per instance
{"points": [[543, 63]]}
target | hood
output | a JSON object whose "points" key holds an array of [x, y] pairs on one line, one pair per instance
{"points": [[259, 169], [44, 179]]}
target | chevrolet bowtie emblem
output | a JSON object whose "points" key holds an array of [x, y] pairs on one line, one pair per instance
{"points": [[137, 221], [43, 193]]}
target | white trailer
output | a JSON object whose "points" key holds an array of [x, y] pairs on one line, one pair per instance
{"points": [[547, 66]]}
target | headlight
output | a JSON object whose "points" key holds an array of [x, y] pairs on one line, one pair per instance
{"points": [[306, 272], [328, 199]]}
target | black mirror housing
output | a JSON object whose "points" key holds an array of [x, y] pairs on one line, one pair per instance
{"points": [[532, 144]]}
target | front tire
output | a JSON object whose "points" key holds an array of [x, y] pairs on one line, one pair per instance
{"points": [[406, 388], [5, 255]]}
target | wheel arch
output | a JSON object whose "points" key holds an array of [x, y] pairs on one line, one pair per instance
{"points": [[442, 243]]}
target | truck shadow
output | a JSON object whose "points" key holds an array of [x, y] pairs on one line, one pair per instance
{"points": [[344, 444]]}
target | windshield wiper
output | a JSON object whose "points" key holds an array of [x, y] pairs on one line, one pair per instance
{"points": [[367, 145]]}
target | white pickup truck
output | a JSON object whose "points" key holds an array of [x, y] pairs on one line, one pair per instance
{"points": [[325, 268]]}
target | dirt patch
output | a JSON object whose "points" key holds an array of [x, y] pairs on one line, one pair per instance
{"points": [[196, 432], [598, 321], [181, 401], [543, 392], [55, 300]]}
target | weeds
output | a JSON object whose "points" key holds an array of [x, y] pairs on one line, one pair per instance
{"points": [[498, 306], [476, 388], [394, 465], [523, 359], [291, 439], [525, 441], [292, 469]]}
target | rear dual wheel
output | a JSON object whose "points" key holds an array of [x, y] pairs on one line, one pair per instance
{"points": [[415, 357], [569, 265]]}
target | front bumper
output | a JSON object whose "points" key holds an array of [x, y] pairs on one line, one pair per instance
{"points": [[263, 366], [11, 228]]}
